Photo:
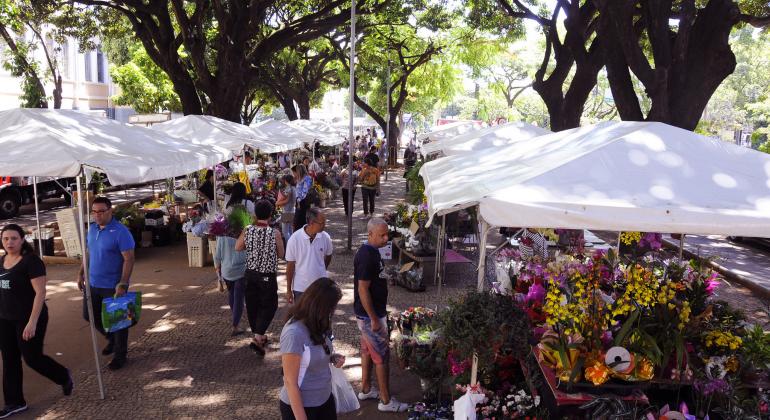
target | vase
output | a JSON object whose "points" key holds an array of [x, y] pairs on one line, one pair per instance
{"points": [[322, 203]]}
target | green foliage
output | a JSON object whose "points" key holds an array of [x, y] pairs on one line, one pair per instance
{"points": [[416, 194], [143, 85], [755, 349], [765, 147], [485, 324]]}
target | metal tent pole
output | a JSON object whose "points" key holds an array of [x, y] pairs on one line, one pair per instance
{"points": [[387, 134], [440, 253], [681, 246], [84, 262], [37, 218], [482, 254], [352, 110]]}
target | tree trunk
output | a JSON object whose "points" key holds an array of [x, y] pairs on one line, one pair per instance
{"points": [[288, 108], [688, 68], [392, 141], [57, 92], [303, 103]]}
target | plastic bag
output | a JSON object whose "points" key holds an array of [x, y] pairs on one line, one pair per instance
{"points": [[121, 312], [344, 395], [465, 406]]}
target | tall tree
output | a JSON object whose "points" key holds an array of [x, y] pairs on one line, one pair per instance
{"points": [[680, 65], [48, 24], [301, 74], [212, 50], [572, 59]]}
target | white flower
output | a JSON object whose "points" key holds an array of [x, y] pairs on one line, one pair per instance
{"points": [[537, 401]]}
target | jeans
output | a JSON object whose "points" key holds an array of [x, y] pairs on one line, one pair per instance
{"points": [[345, 199], [286, 230], [14, 349], [261, 300], [326, 411], [368, 199], [118, 339], [235, 298]]}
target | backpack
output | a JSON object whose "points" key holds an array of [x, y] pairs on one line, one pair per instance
{"points": [[369, 178]]}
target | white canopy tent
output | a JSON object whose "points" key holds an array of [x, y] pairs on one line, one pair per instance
{"points": [[326, 134], [358, 122], [447, 131], [212, 131], [281, 133], [641, 176], [44, 142], [65, 143], [491, 137]]}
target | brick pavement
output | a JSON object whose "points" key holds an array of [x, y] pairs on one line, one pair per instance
{"points": [[187, 366]]}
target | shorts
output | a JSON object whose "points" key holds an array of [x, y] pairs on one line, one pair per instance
{"points": [[375, 344]]}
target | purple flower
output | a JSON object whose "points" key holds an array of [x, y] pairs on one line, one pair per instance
{"points": [[536, 293]]}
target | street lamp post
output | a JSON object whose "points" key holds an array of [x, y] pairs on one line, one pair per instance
{"points": [[350, 132]]}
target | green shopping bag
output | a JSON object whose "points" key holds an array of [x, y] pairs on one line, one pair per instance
{"points": [[121, 312]]}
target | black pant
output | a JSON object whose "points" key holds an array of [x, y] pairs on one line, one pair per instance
{"points": [[345, 199], [261, 300], [118, 339], [300, 213], [326, 411], [14, 348], [368, 194]]}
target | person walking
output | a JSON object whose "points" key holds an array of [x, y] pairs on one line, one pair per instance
{"points": [[346, 186], [23, 320], [370, 182], [308, 254], [307, 393], [370, 299], [263, 245], [230, 266], [304, 184], [287, 199], [110, 249]]}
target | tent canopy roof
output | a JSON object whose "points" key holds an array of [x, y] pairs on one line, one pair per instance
{"points": [[632, 176], [213, 131], [47, 142], [447, 131], [495, 136], [281, 133], [326, 134]]}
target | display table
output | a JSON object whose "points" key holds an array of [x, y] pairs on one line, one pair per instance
{"points": [[426, 263]]}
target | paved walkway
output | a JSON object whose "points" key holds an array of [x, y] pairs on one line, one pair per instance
{"points": [[740, 262], [187, 366]]}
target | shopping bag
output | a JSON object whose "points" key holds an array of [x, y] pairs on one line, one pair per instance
{"points": [[121, 312], [344, 395], [465, 406]]}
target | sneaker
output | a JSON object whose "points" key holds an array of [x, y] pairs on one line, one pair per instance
{"points": [[10, 410], [67, 387], [372, 394], [394, 406], [117, 363], [109, 349]]}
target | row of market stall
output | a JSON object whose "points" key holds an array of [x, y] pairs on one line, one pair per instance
{"points": [[614, 331], [64, 143]]}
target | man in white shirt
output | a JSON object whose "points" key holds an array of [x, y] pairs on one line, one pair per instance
{"points": [[308, 254]]}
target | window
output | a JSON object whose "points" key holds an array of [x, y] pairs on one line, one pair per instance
{"points": [[64, 64], [87, 59], [99, 65]]}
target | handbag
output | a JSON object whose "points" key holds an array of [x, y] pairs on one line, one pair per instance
{"points": [[344, 395], [121, 312]]}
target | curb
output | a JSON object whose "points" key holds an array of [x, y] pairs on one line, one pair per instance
{"points": [[764, 292]]}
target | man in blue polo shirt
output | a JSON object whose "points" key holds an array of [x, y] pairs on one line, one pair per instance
{"points": [[110, 262]]}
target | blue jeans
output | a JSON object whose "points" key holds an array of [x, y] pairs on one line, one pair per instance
{"points": [[286, 230], [235, 298]]}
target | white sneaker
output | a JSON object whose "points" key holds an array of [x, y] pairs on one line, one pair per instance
{"points": [[372, 394], [393, 406]]}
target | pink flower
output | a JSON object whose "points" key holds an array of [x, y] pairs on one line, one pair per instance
{"points": [[536, 293]]}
